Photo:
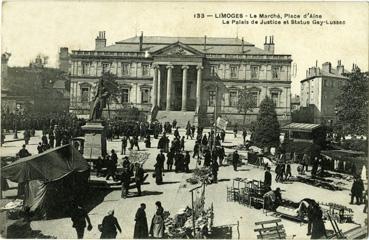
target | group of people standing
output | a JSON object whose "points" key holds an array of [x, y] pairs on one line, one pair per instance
{"points": [[110, 226]]}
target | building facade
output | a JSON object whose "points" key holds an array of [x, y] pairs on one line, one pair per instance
{"points": [[320, 89], [187, 74]]}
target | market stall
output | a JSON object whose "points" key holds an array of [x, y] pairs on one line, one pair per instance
{"points": [[195, 222]]}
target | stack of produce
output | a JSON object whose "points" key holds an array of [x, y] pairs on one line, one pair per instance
{"points": [[200, 175]]}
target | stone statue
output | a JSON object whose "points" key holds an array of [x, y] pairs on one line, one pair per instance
{"points": [[99, 101]]}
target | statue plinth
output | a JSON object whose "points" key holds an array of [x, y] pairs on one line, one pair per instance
{"points": [[95, 140]]}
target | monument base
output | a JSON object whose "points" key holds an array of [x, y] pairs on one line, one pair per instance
{"points": [[95, 140]]}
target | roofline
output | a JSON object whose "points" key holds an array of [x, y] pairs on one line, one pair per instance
{"points": [[316, 76], [73, 53], [197, 44]]}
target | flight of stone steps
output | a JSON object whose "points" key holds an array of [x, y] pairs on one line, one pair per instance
{"points": [[181, 117]]}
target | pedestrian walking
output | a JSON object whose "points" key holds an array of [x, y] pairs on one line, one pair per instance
{"points": [[139, 177], [187, 160], [79, 217], [268, 179], [170, 157], [125, 181], [141, 229], [124, 145], [109, 226], [235, 160]]}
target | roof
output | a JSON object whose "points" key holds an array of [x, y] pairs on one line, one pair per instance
{"points": [[346, 155], [214, 45], [301, 126], [186, 40]]}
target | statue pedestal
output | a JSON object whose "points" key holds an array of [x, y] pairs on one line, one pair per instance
{"points": [[95, 140]]}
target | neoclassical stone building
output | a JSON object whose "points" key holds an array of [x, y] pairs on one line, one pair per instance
{"points": [[186, 77]]}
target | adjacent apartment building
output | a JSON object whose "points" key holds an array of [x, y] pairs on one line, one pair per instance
{"points": [[184, 74], [320, 89]]}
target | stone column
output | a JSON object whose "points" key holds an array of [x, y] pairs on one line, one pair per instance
{"points": [[154, 87], [198, 88], [169, 87], [159, 86], [184, 88]]}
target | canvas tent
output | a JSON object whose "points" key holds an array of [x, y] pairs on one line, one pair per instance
{"points": [[51, 180]]}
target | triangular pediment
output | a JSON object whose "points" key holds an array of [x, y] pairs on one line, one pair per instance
{"points": [[177, 49]]}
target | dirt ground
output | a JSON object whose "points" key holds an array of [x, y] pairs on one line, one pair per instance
{"points": [[174, 195]]}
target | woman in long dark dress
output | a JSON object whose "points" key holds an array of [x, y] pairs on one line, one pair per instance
{"points": [[141, 228], [158, 173], [318, 228]]}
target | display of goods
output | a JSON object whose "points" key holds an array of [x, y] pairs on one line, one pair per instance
{"points": [[138, 157], [319, 183], [200, 175]]}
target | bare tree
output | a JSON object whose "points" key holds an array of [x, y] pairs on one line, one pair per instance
{"points": [[246, 102]]}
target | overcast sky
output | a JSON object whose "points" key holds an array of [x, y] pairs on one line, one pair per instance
{"points": [[35, 28]]}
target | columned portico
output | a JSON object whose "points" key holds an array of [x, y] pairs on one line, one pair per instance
{"points": [[169, 87], [184, 88], [198, 88], [155, 87], [159, 87], [181, 81]]}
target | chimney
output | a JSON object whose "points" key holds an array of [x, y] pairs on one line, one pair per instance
{"points": [[243, 45], [64, 59], [327, 67], [269, 46], [100, 41], [340, 68], [141, 41]]}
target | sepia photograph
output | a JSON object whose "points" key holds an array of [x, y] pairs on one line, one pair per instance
{"points": [[184, 119]]}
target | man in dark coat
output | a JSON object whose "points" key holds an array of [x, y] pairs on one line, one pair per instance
{"points": [[214, 170], [267, 179], [139, 177], [109, 226], [170, 157], [207, 158], [79, 216], [187, 160], [160, 158], [141, 229], [235, 160]]}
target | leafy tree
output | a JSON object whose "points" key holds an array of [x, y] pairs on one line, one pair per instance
{"points": [[246, 102], [267, 129], [353, 103]]}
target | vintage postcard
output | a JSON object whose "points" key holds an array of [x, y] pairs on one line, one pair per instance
{"points": [[184, 119]]}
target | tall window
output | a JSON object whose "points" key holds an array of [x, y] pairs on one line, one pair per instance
{"points": [[213, 70], [85, 68], [105, 67], [275, 72], [211, 98], [125, 69], [84, 94], [145, 70], [275, 98], [325, 82], [233, 98], [125, 95], [254, 72], [145, 96], [234, 71], [255, 99]]}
